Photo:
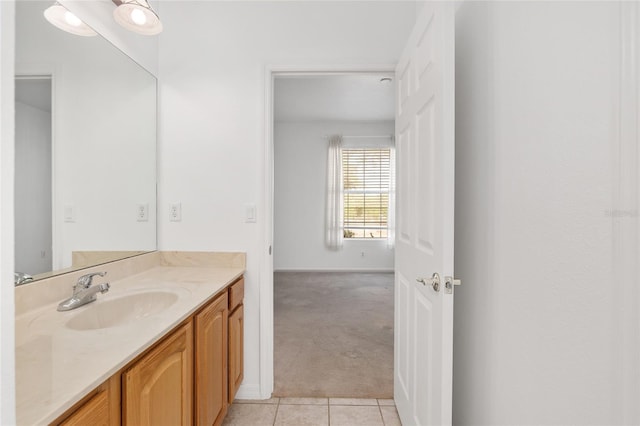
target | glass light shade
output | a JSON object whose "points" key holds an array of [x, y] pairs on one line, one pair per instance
{"points": [[60, 17], [137, 16]]}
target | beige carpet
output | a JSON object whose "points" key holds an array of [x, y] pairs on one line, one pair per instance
{"points": [[333, 334]]}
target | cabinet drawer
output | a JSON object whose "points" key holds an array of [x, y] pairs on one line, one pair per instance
{"points": [[236, 294]]}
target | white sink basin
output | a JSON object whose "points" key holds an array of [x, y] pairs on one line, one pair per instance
{"points": [[123, 309]]}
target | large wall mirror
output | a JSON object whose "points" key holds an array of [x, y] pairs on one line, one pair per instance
{"points": [[85, 179]]}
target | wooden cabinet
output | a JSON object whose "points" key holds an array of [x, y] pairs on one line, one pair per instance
{"points": [[189, 377], [211, 363], [100, 408], [157, 389], [236, 338]]}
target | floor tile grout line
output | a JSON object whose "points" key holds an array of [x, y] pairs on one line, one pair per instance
{"points": [[380, 410], [354, 405], [381, 416], [277, 409]]}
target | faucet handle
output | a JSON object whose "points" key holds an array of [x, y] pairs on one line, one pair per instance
{"points": [[85, 280]]}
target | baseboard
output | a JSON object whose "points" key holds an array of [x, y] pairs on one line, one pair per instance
{"points": [[249, 391], [369, 270]]}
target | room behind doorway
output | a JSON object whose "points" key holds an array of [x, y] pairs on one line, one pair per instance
{"points": [[333, 308]]}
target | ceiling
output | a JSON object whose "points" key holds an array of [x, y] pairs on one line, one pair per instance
{"points": [[34, 92], [352, 97]]}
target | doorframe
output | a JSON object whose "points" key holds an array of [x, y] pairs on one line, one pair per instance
{"points": [[266, 231], [47, 71], [626, 202]]}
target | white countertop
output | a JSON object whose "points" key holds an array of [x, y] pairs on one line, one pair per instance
{"points": [[57, 366]]}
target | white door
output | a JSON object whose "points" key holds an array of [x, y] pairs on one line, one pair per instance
{"points": [[424, 237]]}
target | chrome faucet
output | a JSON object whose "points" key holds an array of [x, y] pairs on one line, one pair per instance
{"points": [[21, 278], [83, 293]]}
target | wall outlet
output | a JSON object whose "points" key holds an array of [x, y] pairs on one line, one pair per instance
{"points": [[175, 213], [142, 212]]}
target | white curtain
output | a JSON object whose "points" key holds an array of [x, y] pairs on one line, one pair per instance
{"points": [[391, 210], [335, 219]]}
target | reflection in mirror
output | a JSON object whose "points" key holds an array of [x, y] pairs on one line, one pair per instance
{"points": [[85, 181], [33, 214]]}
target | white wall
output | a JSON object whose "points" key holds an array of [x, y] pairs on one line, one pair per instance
{"points": [[212, 60], [32, 189], [104, 120], [300, 181], [537, 319], [7, 332]]}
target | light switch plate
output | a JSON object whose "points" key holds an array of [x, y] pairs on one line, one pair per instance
{"points": [[69, 213], [250, 213]]}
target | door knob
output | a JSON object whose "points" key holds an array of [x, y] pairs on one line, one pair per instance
{"points": [[434, 281]]}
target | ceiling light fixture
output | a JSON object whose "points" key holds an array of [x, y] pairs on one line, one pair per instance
{"points": [[60, 17], [138, 16]]}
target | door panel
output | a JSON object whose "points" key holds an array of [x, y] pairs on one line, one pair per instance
{"points": [[403, 195], [402, 335], [403, 78], [426, 168], [424, 395], [425, 176], [425, 48]]}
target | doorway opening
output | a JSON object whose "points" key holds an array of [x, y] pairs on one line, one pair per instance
{"points": [[333, 304]]}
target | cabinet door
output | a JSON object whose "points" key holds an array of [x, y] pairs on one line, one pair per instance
{"points": [[93, 412], [101, 409], [158, 389], [211, 363], [236, 351]]}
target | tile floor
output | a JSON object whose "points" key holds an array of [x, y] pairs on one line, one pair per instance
{"points": [[313, 412]]}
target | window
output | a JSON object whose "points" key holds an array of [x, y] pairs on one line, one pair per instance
{"points": [[366, 174]]}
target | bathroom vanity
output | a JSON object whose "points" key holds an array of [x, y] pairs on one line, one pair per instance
{"points": [[163, 346]]}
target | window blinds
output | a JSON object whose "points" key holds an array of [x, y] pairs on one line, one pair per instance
{"points": [[366, 174]]}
